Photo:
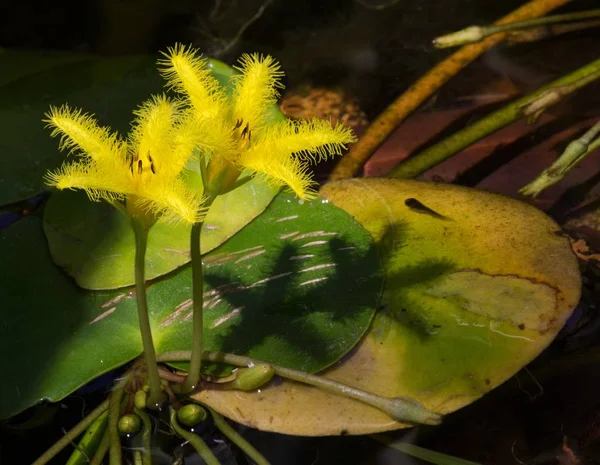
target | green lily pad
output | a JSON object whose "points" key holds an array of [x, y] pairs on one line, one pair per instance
{"points": [[476, 286], [298, 286], [94, 242], [110, 88]]}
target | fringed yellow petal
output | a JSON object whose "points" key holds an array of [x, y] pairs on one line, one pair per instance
{"points": [[188, 74], [171, 201], [281, 171], [255, 89], [151, 137], [98, 184], [80, 131], [314, 140], [210, 137]]}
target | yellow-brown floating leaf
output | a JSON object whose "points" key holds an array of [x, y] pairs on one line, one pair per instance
{"points": [[477, 285]]}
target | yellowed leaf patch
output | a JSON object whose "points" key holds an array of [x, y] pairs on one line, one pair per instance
{"points": [[477, 285]]}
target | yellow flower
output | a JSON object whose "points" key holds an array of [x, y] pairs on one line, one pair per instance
{"points": [[234, 129], [144, 171]]}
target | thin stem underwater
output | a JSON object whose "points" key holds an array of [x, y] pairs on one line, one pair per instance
{"points": [[114, 412], [237, 439], [573, 154], [473, 34], [141, 240], [102, 450], [68, 438], [195, 441], [437, 153], [146, 435]]}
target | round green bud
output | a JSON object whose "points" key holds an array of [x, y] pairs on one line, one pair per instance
{"points": [[129, 423], [140, 398], [249, 379], [191, 415]]}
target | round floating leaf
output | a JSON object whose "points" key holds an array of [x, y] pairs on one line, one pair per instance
{"points": [[477, 285], [298, 286], [94, 242]]}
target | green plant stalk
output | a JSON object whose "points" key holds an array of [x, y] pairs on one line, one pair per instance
{"points": [[114, 412], [193, 376], [141, 240], [399, 408], [102, 450], [89, 442], [534, 108], [420, 452], [68, 438], [146, 434], [443, 150], [237, 439], [573, 154], [195, 440], [473, 34]]}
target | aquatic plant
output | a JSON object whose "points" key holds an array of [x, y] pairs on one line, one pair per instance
{"points": [[233, 135], [400, 289], [141, 177]]}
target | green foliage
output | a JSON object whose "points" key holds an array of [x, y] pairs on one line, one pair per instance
{"points": [[94, 242], [275, 291], [476, 286]]}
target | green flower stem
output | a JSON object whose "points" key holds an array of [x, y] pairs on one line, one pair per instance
{"points": [[89, 441], [439, 152], [146, 435], [473, 34], [197, 311], [114, 412], [195, 440], [102, 450], [141, 239], [137, 458], [399, 408], [68, 438], [197, 306], [573, 154], [237, 439]]}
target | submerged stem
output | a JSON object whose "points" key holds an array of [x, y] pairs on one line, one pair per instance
{"points": [[573, 154], [195, 441], [68, 438], [98, 457], [197, 312], [146, 458], [444, 149], [399, 408], [141, 239], [114, 412], [476, 33], [237, 439]]}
